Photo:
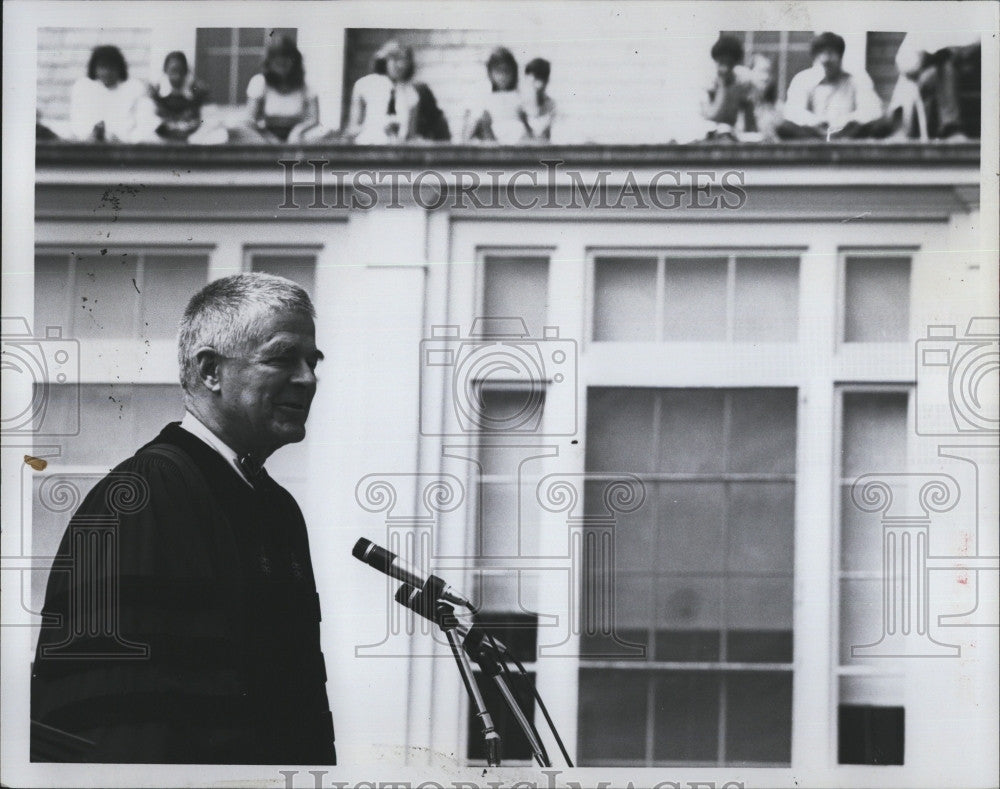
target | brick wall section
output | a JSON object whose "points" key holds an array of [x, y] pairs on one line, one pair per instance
{"points": [[63, 54]]}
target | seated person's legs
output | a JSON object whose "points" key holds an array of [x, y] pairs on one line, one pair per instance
{"points": [[788, 130]]}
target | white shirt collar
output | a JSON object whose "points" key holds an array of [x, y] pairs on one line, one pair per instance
{"points": [[197, 428]]}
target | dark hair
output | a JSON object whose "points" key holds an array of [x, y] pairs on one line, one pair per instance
{"points": [[501, 56], [284, 47], [540, 68], [380, 57], [728, 48], [107, 55], [176, 55], [827, 41]]}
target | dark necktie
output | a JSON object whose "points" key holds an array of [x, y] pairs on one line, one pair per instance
{"points": [[391, 109], [253, 470]]}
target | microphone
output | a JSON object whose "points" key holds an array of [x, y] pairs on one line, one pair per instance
{"points": [[473, 638], [389, 563]]}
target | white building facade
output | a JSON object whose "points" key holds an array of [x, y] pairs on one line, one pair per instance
{"points": [[706, 430]]}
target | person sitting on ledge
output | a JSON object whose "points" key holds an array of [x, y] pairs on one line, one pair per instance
{"points": [[388, 106], [499, 116], [730, 94], [281, 107], [178, 98], [107, 106], [825, 102], [539, 108], [937, 95]]}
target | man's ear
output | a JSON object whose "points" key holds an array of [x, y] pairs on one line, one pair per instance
{"points": [[208, 368]]}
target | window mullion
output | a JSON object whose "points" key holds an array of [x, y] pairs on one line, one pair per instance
{"points": [[661, 296]]}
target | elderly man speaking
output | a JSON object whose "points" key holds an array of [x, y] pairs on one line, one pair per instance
{"points": [[213, 650]]}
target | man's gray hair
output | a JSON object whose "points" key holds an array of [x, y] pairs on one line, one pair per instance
{"points": [[226, 315]]}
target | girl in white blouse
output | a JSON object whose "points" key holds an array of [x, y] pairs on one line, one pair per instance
{"points": [[107, 106]]}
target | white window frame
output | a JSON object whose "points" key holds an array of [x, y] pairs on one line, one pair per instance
{"points": [[838, 670], [814, 364]]}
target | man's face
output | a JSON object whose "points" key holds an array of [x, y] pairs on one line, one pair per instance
{"points": [[265, 394], [829, 59], [396, 65]]}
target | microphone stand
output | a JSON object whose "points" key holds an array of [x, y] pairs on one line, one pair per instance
{"points": [[444, 614], [490, 666], [484, 649]]}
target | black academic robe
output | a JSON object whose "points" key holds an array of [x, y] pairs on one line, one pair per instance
{"points": [[187, 627]]}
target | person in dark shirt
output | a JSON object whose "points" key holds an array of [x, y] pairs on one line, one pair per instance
{"points": [[538, 107], [730, 94], [178, 98], [187, 629]]}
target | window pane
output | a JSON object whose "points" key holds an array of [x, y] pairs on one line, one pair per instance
{"points": [[601, 646], [695, 299], [758, 717], [860, 534], [618, 429], [759, 646], [874, 432], [767, 299], [766, 38], [105, 299], [212, 62], [130, 413], [213, 37], [691, 425], [625, 299], [623, 598], [247, 64], [759, 603], [505, 591], [299, 268], [687, 645], [504, 407], [690, 527], [881, 689], [877, 299], [762, 432], [687, 717], [51, 285], [691, 603], [517, 287], [800, 37], [499, 518], [870, 735], [860, 615], [249, 36], [612, 716], [633, 537], [761, 526], [168, 283]]}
